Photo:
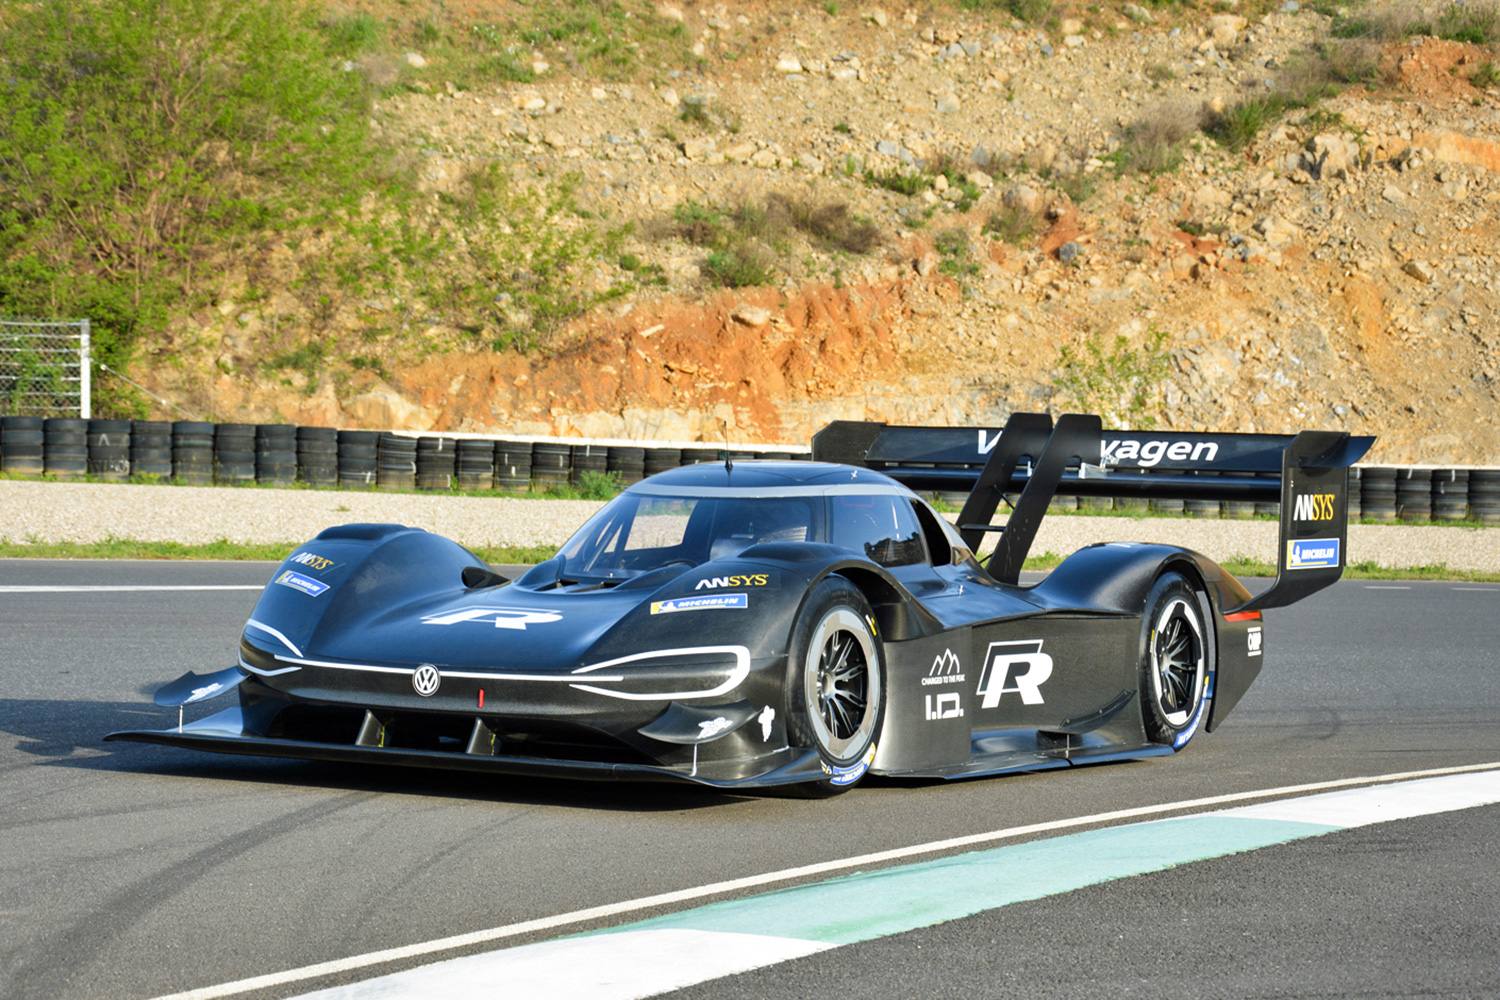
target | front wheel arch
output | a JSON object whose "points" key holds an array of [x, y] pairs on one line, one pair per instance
{"points": [[835, 684]]}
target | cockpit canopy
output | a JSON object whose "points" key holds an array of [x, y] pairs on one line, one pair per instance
{"points": [[650, 527]]}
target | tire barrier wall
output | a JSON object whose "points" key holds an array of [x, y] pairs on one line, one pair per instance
{"points": [[198, 453]]}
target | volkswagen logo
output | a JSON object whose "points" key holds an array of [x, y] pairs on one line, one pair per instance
{"points": [[426, 680]]}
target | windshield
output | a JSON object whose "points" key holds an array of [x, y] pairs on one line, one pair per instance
{"points": [[635, 534]]}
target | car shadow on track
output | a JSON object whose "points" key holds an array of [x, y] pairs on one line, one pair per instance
{"points": [[55, 733]]}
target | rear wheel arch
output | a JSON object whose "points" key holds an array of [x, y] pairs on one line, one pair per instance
{"points": [[1177, 657]]}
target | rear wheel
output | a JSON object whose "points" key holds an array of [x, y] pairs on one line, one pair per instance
{"points": [[835, 684], [1177, 661]]}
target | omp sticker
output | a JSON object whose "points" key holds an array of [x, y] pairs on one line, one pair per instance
{"points": [[1312, 553], [700, 603], [306, 584], [1252, 641]]}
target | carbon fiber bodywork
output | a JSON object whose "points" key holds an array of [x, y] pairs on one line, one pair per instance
{"points": [[385, 643]]}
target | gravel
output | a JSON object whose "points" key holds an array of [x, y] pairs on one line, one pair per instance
{"points": [[93, 512]]}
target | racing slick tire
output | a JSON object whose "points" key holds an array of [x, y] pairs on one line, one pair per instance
{"points": [[835, 689], [1177, 661]]}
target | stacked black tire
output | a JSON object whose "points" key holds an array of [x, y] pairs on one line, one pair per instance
{"points": [[627, 465], [357, 450], [661, 459], [65, 447], [318, 456], [1268, 508], [1377, 494], [1201, 508], [193, 452], [151, 449], [1414, 494], [550, 465], [437, 463], [513, 466], [398, 462], [276, 455], [1450, 494], [476, 464], [589, 458], [696, 456], [109, 450], [234, 454], [22, 445], [1484, 495], [1353, 497]]}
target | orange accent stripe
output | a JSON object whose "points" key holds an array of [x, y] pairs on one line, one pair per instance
{"points": [[1243, 616]]}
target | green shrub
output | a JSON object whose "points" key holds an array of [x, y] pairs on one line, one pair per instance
{"points": [[142, 138], [1475, 23], [958, 257], [1030, 11], [738, 266], [1121, 385], [899, 182], [1012, 225]]}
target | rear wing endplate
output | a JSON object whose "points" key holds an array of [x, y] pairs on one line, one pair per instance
{"points": [[1036, 459]]}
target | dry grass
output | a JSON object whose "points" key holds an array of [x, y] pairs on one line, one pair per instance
{"points": [[1154, 144]]}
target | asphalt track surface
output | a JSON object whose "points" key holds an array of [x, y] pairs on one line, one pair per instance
{"points": [[135, 871]]}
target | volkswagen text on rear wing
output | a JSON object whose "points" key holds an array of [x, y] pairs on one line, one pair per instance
{"points": [[1307, 473]]}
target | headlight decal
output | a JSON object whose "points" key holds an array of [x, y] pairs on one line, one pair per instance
{"points": [[738, 673]]}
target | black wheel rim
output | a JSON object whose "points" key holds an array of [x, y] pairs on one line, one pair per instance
{"points": [[1177, 663], [842, 686]]}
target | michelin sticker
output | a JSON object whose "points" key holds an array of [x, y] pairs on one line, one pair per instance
{"points": [[700, 603], [306, 584], [1312, 553], [849, 774]]}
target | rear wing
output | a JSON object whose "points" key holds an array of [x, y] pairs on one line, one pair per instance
{"points": [[1031, 456]]}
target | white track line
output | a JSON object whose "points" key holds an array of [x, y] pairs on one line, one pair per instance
{"points": [[124, 588], [770, 878]]}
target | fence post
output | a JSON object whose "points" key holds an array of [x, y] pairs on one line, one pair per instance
{"points": [[85, 371]]}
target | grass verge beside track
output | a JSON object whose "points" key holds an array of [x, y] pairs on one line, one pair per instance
{"points": [[123, 548]]}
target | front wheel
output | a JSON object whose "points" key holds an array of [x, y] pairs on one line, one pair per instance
{"points": [[1177, 661], [835, 684]]}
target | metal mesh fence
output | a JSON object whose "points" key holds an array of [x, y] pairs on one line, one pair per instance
{"points": [[44, 368]]}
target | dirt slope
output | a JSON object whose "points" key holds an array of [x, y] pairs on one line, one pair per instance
{"points": [[1345, 271]]}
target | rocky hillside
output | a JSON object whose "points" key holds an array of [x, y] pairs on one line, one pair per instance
{"points": [[972, 211]]}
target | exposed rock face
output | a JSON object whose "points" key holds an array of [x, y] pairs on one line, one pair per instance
{"points": [[1342, 271]]}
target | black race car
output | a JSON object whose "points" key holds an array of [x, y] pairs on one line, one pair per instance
{"points": [[796, 624]]}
